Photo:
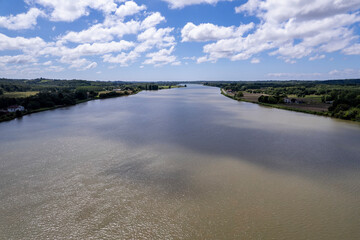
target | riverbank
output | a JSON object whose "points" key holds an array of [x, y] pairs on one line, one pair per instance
{"points": [[23, 97], [12, 116], [335, 98], [101, 95], [319, 113]]}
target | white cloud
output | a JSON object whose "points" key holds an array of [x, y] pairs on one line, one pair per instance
{"points": [[278, 11], [128, 9], [124, 59], [70, 10], [317, 57], [295, 75], [22, 20], [203, 59], [103, 33], [18, 59], [190, 58], [153, 37], [161, 57], [251, 6], [75, 62], [210, 32], [147, 40], [75, 56], [54, 69], [352, 50], [255, 60], [97, 48], [27, 45], [290, 29], [183, 3], [333, 74], [102, 39], [111, 28], [345, 73], [152, 20], [91, 65]]}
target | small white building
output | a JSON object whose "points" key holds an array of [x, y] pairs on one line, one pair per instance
{"points": [[15, 108], [287, 100]]}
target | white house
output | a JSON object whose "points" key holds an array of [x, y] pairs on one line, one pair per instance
{"points": [[15, 108], [287, 100]]}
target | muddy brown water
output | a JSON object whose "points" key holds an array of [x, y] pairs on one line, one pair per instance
{"points": [[183, 163]]}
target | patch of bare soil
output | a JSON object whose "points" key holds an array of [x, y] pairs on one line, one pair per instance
{"points": [[317, 107]]}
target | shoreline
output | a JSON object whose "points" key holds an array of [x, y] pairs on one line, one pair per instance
{"points": [[13, 115], [324, 114]]}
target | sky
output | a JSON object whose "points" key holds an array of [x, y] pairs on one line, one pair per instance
{"points": [[180, 40]]}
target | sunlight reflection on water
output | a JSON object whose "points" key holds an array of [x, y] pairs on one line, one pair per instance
{"points": [[178, 164]]}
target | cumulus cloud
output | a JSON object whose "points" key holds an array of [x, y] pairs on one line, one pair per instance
{"points": [[124, 59], [27, 45], [102, 39], [18, 59], [352, 50], [91, 65], [22, 20], [289, 29], [112, 28], [102, 32], [69, 10], [183, 3], [278, 11], [162, 57], [159, 38], [209, 32], [128, 9], [255, 60], [152, 20], [317, 57]]}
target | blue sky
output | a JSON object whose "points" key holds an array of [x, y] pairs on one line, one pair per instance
{"points": [[156, 40]]}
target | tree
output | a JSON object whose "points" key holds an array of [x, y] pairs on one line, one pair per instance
{"points": [[18, 114], [81, 95], [239, 94]]}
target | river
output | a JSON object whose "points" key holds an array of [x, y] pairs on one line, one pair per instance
{"points": [[185, 163]]}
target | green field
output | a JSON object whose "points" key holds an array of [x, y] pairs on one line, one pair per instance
{"points": [[19, 94], [167, 86]]}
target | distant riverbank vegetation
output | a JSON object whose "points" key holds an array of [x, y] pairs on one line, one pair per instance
{"points": [[44, 94], [335, 98]]}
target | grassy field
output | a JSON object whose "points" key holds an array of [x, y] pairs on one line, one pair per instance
{"points": [[167, 87], [103, 92], [308, 98], [19, 94], [312, 103]]}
